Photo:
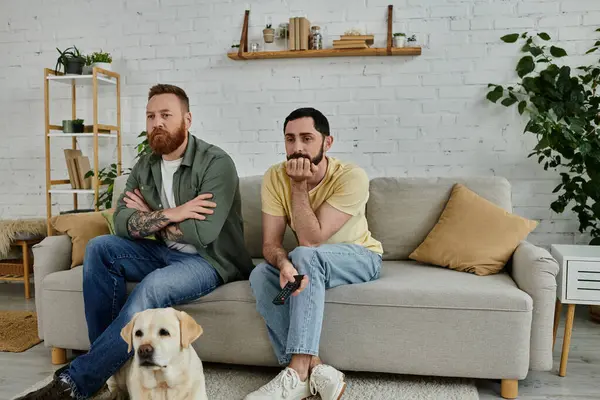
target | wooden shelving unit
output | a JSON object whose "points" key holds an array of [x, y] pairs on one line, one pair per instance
{"points": [[99, 77], [244, 54]]}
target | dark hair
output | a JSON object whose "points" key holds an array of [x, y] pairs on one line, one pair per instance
{"points": [[319, 120], [162, 88]]}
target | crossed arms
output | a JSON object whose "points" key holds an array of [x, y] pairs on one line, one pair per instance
{"points": [[197, 222]]}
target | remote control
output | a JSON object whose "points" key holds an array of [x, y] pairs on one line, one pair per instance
{"points": [[288, 290]]}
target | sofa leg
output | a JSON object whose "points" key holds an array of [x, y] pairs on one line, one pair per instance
{"points": [[509, 388], [59, 356]]}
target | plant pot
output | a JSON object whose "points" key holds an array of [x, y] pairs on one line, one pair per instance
{"points": [[74, 66], [69, 126], [87, 70], [399, 41], [412, 43], [103, 65], [269, 35]]}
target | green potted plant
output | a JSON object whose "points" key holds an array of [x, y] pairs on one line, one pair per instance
{"points": [[101, 59], [87, 68], [399, 39], [268, 34], [411, 41], [71, 60], [563, 110], [72, 126]]}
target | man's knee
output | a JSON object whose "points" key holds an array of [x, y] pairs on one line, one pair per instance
{"points": [[303, 255], [96, 252], [100, 245]]}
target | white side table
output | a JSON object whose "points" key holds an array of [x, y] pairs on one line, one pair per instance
{"points": [[578, 282]]}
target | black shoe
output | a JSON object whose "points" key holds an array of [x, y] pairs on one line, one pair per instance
{"points": [[55, 390]]}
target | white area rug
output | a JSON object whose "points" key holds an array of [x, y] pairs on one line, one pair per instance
{"points": [[225, 382]]}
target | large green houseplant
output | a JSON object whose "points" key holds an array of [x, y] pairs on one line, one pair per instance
{"points": [[108, 174], [563, 108]]}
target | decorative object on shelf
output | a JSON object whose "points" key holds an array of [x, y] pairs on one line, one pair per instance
{"points": [[243, 54], [562, 108], [411, 41], [72, 126], [399, 39], [268, 34], [101, 59], [283, 34], [316, 38], [254, 47], [354, 40], [299, 36], [71, 60]]}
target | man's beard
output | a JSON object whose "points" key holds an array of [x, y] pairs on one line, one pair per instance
{"points": [[162, 142], [315, 160]]}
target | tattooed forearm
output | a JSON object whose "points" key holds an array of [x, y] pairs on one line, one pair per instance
{"points": [[173, 233], [142, 224]]}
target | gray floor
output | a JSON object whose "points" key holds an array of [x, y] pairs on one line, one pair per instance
{"points": [[18, 371]]}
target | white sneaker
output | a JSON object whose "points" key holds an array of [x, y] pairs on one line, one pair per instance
{"points": [[327, 381], [286, 385]]}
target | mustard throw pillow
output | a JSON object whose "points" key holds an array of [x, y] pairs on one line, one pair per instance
{"points": [[473, 235], [81, 228]]}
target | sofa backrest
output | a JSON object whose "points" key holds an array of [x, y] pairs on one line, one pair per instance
{"points": [[400, 211]]}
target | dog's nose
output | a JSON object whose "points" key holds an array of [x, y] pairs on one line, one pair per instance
{"points": [[145, 351]]}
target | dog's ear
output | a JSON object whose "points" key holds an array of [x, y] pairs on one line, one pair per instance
{"points": [[190, 330], [127, 332]]}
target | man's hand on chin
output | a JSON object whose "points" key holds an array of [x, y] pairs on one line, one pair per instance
{"points": [[300, 169]]}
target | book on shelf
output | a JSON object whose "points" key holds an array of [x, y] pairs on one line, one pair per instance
{"points": [[353, 42], [299, 33], [77, 166]]}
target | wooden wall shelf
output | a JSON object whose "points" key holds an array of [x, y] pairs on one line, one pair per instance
{"points": [[376, 51], [244, 54]]}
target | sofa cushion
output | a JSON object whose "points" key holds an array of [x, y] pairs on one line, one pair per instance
{"points": [[402, 211], [473, 235], [402, 284], [415, 313]]}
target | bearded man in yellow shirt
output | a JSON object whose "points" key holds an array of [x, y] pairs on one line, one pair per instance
{"points": [[323, 200]]}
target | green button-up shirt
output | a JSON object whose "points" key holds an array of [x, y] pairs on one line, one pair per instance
{"points": [[205, 168]]}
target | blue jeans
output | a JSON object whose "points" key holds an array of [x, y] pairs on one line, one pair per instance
{"points": [[167, 278], [295, 327]]}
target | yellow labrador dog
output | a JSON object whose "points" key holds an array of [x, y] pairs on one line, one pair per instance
{"points": [[165, 366]]}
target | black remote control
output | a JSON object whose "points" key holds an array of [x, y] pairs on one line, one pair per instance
{"points": [[288, 290]]}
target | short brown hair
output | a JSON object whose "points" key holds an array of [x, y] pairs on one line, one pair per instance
{"points": [[163, 88]]}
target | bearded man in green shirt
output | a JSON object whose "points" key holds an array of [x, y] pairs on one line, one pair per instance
{"points": [[179, 233]]}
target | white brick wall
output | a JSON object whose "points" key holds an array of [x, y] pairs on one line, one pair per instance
{"points": [[405, 116]]}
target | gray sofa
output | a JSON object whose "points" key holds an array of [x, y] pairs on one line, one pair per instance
{"points": [[416, 319]]}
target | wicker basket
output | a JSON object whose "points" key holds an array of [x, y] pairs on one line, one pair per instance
{"points": [[13, 268]]}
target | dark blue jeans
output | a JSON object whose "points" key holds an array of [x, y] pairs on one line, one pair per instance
{"points": [[167, 278]]}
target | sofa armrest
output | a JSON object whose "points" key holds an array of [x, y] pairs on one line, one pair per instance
{"points": [[534, 271], [51, 255]]}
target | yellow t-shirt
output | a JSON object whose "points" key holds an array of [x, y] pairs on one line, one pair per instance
{"points": [[345, 187]]}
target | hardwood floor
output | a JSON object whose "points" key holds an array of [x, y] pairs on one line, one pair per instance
{"points": [[19, 371]]}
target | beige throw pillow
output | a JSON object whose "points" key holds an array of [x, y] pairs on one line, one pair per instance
{"points": [[473, 235], [81, 228]]}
